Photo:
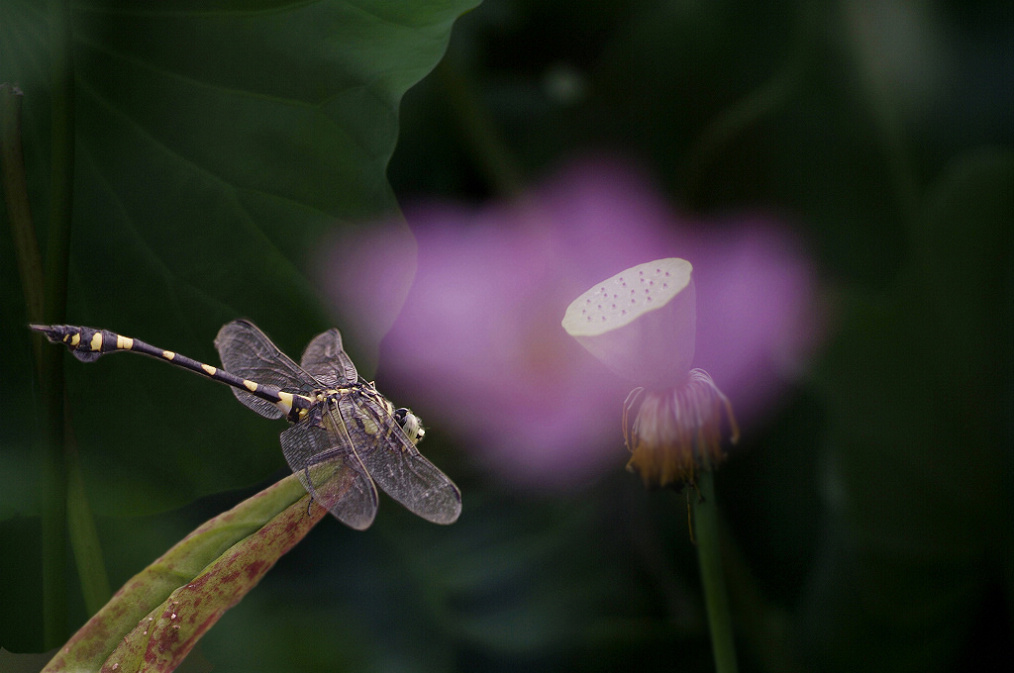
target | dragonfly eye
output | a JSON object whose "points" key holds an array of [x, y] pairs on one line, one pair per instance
{"points": [[411, 424]]}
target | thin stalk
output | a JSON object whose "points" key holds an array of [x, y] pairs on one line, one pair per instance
{"points": [[493, 157], [712, 580], [62, 166], [19, 212], [48, 370], [54, 489], [733, 122], [84, 536], [881, 98]]}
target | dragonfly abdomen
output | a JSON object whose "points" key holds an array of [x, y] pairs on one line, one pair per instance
{"points": [[89, 344]]}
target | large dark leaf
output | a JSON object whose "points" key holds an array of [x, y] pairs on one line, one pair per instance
{"points": [[216, 145]]}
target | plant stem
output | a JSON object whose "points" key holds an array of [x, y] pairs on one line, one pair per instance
{"points": [[54, 477], [728, 126], [486, 141], [84, 536], [709, 557], [62, 161], [19, 212]]}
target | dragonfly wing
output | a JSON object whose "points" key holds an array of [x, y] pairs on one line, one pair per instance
{"points": [[396, 465], [248, 352], [328, 467], [326, 360]]}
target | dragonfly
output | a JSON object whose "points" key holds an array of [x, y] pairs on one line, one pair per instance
{"points": [[344, 439]]}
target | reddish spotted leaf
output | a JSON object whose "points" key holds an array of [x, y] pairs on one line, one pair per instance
{"points": [[157, 617]]}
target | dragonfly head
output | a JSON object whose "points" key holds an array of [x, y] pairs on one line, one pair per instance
{"points": [[411, 424]]}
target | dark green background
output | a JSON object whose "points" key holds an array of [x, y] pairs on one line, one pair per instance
{"points": [[869, 518]]}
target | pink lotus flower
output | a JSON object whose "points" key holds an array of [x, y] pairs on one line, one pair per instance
{"points": [[477, 348]]}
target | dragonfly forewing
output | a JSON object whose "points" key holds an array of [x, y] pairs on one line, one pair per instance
{"points": [[395, 463], [248, 352], [326, 360]]}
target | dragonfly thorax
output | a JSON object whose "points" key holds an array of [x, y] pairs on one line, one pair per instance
{"points": [[329, 395], [408, 421]]}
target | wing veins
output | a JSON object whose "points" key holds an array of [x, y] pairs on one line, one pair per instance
{"points": [[248, 353], [396, 465], [330, 469]]}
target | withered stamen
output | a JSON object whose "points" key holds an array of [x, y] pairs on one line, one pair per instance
{"points": [[677, 432]]}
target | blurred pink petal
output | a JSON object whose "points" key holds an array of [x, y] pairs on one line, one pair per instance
{"points": [[478, 349], [755, 318]]}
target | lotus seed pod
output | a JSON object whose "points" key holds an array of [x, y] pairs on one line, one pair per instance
{"points": [[641, 322]]}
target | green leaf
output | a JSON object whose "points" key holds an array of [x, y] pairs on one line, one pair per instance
{"points": [[217, 145], [158, 616]]}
